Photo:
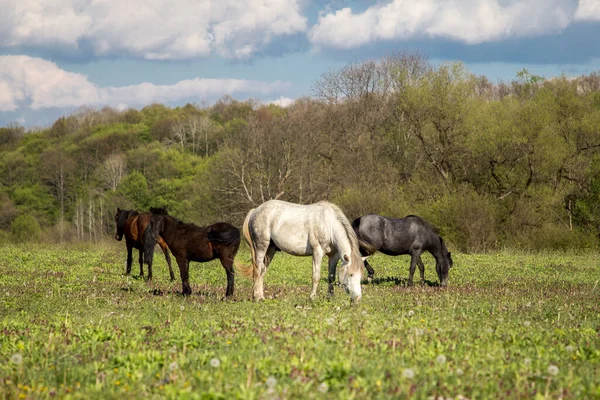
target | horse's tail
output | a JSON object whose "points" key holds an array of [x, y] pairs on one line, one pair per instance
{"points": [[149, 243], [248, 270], [227, 236], [366, 248]]}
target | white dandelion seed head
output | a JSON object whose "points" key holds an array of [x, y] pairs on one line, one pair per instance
{"points": [[323, 387], [182, 308], [553, 370], [173, 366], [419, 331], [489, 330], [410, 313], [441, 359], [329, 321], [364, 312], [527, 361], [460, 372], [570, 348], [408, 373], [271, 382], [215, 362], [17, 359]]}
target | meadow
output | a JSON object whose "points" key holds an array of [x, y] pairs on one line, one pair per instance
{"points": [[510, 325]]}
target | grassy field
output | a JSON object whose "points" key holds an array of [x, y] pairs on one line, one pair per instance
{"points": [[508, 326]]}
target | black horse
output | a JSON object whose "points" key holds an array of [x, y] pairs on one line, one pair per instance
{"points": [[396, 236], [132, 225], [189, 242]]}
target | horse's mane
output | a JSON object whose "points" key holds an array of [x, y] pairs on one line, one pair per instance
{"points": [[347, 227], [159, 210], [124, 216], [427, 224], [178, 223]]}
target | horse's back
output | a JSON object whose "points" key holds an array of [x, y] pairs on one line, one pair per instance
{"points": [[291, 227]]}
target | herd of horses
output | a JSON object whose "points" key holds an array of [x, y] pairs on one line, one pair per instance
{"points": [[319, 229]]}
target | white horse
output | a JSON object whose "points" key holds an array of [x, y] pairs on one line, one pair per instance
{"points": [[316, 229]]}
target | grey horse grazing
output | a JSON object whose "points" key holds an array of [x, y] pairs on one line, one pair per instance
{"points": [[316, 229], [396, 236]]}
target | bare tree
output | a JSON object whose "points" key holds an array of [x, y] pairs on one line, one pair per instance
{"points": [[113, 170]]}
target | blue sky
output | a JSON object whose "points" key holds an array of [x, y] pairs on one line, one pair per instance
{"points": [[59, 55]]}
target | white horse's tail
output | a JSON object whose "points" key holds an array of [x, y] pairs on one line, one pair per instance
{"points": [[247, 270]]}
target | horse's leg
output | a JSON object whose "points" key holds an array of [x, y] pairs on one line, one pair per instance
{"points": [[129, 260], [165, 250], [333, 260], [259, 292], [414, 258], [421, 269], [184, 265], [141, 260], [370, 271], [317, 257], [227, 263]]}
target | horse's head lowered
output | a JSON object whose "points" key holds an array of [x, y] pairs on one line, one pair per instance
{"points": [[350, 274], [443, 265]]}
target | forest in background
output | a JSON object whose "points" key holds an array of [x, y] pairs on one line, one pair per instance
{"points": [[508, 164]]}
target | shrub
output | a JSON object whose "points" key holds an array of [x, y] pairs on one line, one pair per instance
{"points": [[25, 228]]}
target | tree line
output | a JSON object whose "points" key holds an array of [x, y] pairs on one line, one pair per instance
{"points": [[508, 164]]}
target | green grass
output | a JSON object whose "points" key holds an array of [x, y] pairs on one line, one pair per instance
{"points": [[72, 326]]}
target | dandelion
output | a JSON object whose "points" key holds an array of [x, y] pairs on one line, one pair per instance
{"points": [[419, 331], [408, 373], [553, 370], [410, 313], [329, 321], [271, 382], [323, 388], [441, 359], [173, 366], [527, 361], [526, 323], [460, 372], [182, 308], [570, 348], [17, 359], [215, 362]]}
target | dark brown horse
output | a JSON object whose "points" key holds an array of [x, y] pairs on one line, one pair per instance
{"points": [[132, 225], [189, 242]]}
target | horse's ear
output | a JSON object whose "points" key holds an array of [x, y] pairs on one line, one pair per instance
{"points": [[118, 209], [364, 258], [346, 258]]}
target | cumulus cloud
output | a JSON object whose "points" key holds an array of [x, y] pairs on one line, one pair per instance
{"points": [[27, 82], [156, 29], [588, 10], [467, 21], [282, 101]]}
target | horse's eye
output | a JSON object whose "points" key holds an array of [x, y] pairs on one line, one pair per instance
{"points": [[351, 275]]}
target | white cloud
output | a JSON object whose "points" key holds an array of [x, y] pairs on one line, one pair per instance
{"points": [[468, 21], [27, 82], [156, 29], [588, 10], [282, 101]]}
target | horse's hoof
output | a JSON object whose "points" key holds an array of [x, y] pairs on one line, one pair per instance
{"points": [[370, 279]]}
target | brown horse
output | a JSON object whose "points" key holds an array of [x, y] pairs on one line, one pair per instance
{"points": [[132, 225], [189, 242]]}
